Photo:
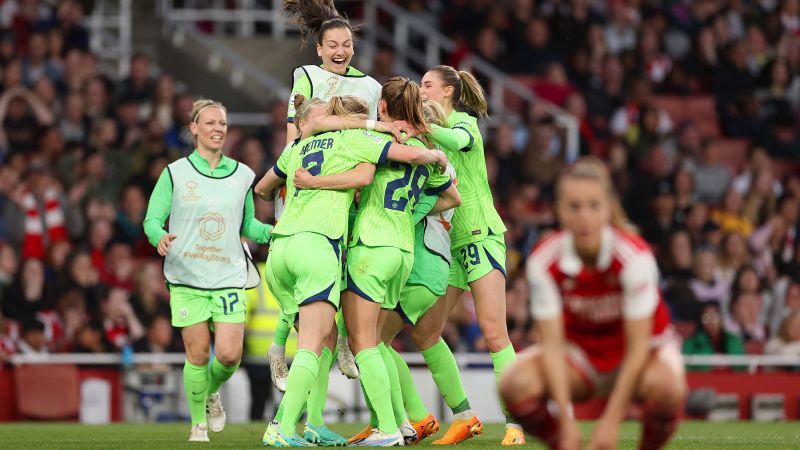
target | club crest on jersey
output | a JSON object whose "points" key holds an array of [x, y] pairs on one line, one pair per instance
{"points": [[190, 195], [184, 313], [333, 84]]}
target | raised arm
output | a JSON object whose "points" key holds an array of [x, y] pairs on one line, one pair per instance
{"points": [[452, 138], [269, 182], [416, 155], [359, 176], [333, 123]]}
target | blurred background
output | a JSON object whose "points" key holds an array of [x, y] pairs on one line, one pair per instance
{"points": [[692, 104]]}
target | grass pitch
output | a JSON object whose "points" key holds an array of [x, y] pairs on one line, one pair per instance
{"points": [[691, 435]]}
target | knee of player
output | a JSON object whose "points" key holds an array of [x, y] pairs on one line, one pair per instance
{"points": [[229, 358], [198, 358], [662, 394], [518, 384], [424, 339]]}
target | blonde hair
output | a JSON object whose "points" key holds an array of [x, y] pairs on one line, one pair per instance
{"points": [[348, 106], [404, 102], [302, 106], [783, 331], [434, 113], [592, 168], [200, 105], [468, 93]]}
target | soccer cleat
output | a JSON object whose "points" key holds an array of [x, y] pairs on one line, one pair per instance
{"points": [[347, 362], [380, 439], [460, 431], [199, 433], [426, 427], [274, 437], [323, 436], [215, 413], [277, 368], [514, 436], [409, 433], [360, 436]]}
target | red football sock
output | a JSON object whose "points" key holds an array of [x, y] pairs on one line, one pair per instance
{"points": [[657, 427], [535, 418]]}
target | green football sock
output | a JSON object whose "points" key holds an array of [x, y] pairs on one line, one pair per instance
{"points": [[319, 392], [218, 374], [340, 325], [373, 417], [445, 373], [375, 379], [278, 413], [195, 382], [501, 360], [282, 329], [394, 384], [302, 376], [411, 400]]}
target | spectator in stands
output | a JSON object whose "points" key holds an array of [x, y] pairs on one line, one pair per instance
{"points": [[761, 200], [657, 227], [33, 340], [74, 124], [8, 268], [787, 301], [695, 220], [148, 298], [89, 339], [122, 327], [544, 156], [518, 314], [11, 215], [163, 107], [28, 294], [36, 65], [535, 52], [70, 17], [732, 256], [748, 281], [781, 138], [730, 215], [676, 271], [745, 318], [70, 316], [79, 272], [21, 113], [707, 284], [711, 176], [628, 114], [710, 338], [159, 337], [787, 340], [131, 212]]}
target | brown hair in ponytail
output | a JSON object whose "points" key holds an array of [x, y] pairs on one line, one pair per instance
{"points": [[404, 102], [315, 16], [302, 106], [348, 106], [592, 168], [467, 92]]}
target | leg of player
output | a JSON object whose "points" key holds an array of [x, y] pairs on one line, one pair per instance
{"points": [[427, 335], [361, 318], [488, 293], [523, 389], [345, 358], [277, 351], [197, 340], [396, 395], [421, 421], [228, 338], [315, 430], [662, 393], [316, 319]]}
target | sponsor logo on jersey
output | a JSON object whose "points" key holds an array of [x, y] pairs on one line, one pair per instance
{"points": [[211, 226]]}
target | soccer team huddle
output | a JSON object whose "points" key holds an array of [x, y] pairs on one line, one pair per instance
{"points": [[384, 223]]}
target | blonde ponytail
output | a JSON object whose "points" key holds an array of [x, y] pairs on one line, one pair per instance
{"points": [[434, 113], [348, 106]]}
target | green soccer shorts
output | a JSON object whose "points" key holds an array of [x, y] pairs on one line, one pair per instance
{"points": [[190, 306], [378, 274], [415, 300], [304, 268], [473, 261]]}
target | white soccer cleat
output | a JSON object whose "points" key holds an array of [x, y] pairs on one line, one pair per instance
{"points": [[199, 433], [409, 433], [347, 362], [278, 369], [380, 439], [215, 413]]}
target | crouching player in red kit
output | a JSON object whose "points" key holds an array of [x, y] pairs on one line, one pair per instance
{"points": [[605, 331]]}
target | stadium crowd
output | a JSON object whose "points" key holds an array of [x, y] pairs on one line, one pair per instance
{"points": [[81, 149]]}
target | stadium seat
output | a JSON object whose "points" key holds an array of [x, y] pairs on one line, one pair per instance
{"points": [[784, 167], [754, 348], [702, 110], [47, 391], [673, 105]]}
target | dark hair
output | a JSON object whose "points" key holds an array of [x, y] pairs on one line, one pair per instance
{"points": [[315, 16], [467, 92], [32, 325]]}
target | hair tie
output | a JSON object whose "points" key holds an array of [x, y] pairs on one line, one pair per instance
{"points": [[201, 110]]}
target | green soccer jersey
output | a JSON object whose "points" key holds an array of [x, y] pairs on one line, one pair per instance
{"points": [[476, 217], [386, 206], [320, 210]]}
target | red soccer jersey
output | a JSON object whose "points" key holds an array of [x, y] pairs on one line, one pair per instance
{"points": [[594, 301]]}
